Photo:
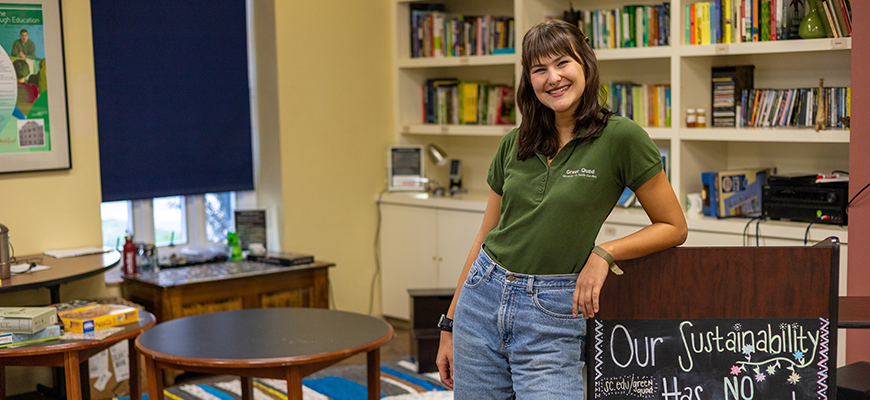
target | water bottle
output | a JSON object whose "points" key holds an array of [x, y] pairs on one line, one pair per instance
{"points": [[129, 256]]}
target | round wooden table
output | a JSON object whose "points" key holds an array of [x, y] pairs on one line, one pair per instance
{"points": [[70, 354], [277, 343]]}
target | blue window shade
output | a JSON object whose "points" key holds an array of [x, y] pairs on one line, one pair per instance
{"points": [[173, 103]]}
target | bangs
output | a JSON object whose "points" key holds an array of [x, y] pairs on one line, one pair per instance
{"points": [[547, 43]]}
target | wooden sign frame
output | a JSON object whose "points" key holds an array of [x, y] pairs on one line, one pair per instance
{"points": [[725, 283]]}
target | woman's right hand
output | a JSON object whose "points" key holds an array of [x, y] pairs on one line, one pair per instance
{"points": [[444, 361]]}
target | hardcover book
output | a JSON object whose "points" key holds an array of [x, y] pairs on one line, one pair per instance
{"points": [[97, 316], [27, 320], [9, 339], [285, 259], [728, 85]]}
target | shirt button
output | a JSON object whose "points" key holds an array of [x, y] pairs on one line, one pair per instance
{"points": [[540, 190]]}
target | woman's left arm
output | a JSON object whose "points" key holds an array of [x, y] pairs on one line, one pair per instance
{"points": [[668, 229]]}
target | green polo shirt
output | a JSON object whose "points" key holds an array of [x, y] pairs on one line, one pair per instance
{"points": [[551, 214]]}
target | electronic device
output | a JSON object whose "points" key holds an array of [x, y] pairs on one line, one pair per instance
{"points": [[455, 176], [405, 168], [800, 198]]}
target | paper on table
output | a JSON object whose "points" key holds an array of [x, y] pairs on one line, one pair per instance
{"points": [[17, 269], [75, 252]]}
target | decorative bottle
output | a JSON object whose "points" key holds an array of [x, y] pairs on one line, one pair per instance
{"points": [[129, 256]]}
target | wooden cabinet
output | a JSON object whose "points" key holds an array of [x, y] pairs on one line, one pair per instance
{"points": [[421, 248], [180, 292]]}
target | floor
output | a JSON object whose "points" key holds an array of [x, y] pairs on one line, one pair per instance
{"points": [[400, 346]]}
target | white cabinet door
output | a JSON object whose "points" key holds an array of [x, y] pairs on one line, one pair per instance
{"points": [[456, 233], [408, 255]]}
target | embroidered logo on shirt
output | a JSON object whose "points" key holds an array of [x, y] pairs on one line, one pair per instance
{"points": [[579, 173]]}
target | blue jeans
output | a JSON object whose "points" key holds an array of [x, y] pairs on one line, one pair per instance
{"points": [[514, 334]]}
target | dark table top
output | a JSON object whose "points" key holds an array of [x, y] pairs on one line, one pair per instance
{"points": [[279, 336], [177, 276]]}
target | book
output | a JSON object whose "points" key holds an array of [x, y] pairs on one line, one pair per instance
{"points": [[285, 259], [26, 320], [51, 332], [97, 316]]}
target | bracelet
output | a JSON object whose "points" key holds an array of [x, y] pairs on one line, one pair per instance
{"points": [[609, 258]]}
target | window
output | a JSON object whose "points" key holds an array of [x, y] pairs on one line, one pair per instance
{"points": [[116, 222], [197, 220], [169, 221]]}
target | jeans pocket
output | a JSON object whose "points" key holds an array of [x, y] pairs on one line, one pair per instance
{"points": [[474, 277], [556, 302]]}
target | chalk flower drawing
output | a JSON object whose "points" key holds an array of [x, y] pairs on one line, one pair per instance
{"points": [[794, 378], [759, 377], [798, 355], [748, 349], [735, 370], [771, 369]]}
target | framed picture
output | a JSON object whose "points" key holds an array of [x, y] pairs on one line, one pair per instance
{"points": [[34, 131]]}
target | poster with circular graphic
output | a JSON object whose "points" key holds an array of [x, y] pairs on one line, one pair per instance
{"points": [[33, 123]]}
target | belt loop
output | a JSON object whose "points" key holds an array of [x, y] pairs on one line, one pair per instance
{"points": [[488, 273], [530, 285]]}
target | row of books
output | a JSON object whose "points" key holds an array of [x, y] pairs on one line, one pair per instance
{"points": [[793, 107], [728, 84], [836, 17], [737, 21], [25, 325], [435, 33], [648, 105], [627, 26], [451, 101]]}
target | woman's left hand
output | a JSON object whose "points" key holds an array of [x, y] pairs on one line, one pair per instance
{"points": [[589, 284]]}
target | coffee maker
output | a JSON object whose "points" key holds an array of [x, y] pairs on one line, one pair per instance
{"points": [[5, 254]]}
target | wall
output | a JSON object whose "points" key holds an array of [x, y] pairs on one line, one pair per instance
{"points": [[858, 341], [60, 209], [334, 92]]}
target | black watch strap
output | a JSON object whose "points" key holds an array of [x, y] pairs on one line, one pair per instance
{"points": [[445, 324]]}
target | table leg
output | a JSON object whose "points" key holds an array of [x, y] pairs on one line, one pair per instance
{"points": [[2, 382], [155, 379], [247, 388], [71, 366], [294, 383], [135, 388], [373, 373]]}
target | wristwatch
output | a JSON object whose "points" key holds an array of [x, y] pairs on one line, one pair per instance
{"points": [[445, 324]]}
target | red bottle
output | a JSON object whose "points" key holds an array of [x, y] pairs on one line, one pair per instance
{"points": [[129, 257]]}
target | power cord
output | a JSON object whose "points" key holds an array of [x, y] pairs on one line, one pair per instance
{"points": [[856, 196], [757, 232], [746, 230], [377, 252]]}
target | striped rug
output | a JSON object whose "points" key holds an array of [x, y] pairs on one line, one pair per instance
{"points": [[399, 381]]}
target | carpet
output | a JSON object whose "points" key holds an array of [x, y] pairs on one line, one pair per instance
{"points": [[399, 381]]}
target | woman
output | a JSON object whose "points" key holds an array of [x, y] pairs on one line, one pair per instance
{"points": [[534, 263]]}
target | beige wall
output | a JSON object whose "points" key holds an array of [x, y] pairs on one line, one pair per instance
{"points": [[334, 91], [334, 119]]}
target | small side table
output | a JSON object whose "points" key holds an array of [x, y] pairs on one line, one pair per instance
{"points": [[71, 355], [277, 343], [427, 305]]}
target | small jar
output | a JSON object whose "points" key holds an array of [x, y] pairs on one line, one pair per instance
{"points": [[691, 118], [702, 118]]}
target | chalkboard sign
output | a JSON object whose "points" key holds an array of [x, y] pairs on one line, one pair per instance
{"points": [[706, 359]]}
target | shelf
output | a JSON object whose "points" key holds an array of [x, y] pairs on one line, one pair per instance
{"points": [[777, 46], [769, 228], [660, 133], [440, 62], [805, 135], [457, 130], [634, 53]]}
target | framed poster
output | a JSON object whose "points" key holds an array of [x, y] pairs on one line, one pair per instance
{"points": [[34, 133]]}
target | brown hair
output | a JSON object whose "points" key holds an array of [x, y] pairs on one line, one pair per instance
{"points": [[537, 131]]}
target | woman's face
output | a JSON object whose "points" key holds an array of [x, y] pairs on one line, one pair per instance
{"points": [[559, 83]]}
